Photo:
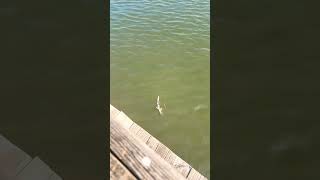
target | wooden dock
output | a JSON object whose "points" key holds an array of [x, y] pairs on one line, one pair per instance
{"points": [[135, 154], [17, 165]]}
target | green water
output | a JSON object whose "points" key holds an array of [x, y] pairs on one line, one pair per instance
{"points": [[162, 48]]}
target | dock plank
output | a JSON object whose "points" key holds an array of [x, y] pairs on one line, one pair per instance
{"points": [[113, 112], [164, 152], [169, 156], [195, 175], [140, 132], [182, 166], [134, 128], [138, 157], [118, 171], [124, 120], [153, 143]]}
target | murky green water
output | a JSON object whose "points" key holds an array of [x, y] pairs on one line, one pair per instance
{"points": [[162, 48]]}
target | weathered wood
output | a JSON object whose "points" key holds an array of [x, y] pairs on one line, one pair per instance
{"points": [[36, 169], [179, 164], [124, 120], [12, 159], [173, 159], [138, 157], [163, 151], [134, 128], [153, 143], [195, 175], [118, 171], [182, 167], [140, 132], [113, 112]]}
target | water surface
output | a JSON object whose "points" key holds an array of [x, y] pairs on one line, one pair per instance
{"points": [[162, 48]]}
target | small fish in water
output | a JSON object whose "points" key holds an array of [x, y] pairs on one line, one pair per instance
{"points": [[158, 106]]}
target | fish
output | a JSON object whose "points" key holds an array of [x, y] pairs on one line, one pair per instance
{"points": [[158, 106]]}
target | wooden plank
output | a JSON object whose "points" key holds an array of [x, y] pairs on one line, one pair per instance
{"points": [[203, 178], [143, 135], [162, 150], [124, 120], [195, 175], [113, 112], [139, 132], [35, 170], [179, 164], [134, 128], [118, 171], [168, 156], [138, 157], [12, 159], [183, 167], [153, 143]]}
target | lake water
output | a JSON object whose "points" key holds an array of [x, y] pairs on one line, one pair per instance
{"points": [[161, 48]]}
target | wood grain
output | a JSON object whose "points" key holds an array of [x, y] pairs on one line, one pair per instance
{"points": [[195, 175], [140, 132], [124, 120], [164, 152], [118, 171], [133, 152], [113, 112]]}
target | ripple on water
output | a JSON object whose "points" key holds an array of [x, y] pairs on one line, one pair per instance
{"points": [[161, 47]]}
